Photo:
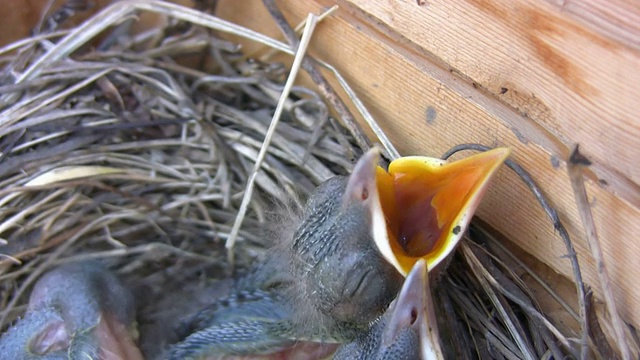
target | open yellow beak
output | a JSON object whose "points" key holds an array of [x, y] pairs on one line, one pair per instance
{"points": [[426, 205]]}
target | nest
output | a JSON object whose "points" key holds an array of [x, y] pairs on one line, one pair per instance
{"points": [[136, 148]]}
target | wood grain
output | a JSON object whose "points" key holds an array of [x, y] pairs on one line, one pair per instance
{"points": [[581, 85], [618, 20], [426, 105]]}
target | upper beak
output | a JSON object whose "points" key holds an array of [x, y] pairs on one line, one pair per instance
{"points": [[422, 206], [413, 308]]}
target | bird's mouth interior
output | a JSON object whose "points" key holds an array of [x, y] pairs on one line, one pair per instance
{"points": [[427, 204]]}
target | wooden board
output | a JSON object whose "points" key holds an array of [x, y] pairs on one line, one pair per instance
{"points": [[528, 75]]}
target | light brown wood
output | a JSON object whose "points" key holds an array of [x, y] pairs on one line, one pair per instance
{"points": [[616, 19], [432, 77], [574, 82], [18, 21]]}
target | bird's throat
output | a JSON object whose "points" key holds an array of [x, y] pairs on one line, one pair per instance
{"points": [[427, 204]]}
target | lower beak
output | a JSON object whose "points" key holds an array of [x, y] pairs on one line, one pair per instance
{"points": [[426, 205]]}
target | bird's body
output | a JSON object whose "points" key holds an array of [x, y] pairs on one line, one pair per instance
{"points": [[79, 310], [325, 283]]}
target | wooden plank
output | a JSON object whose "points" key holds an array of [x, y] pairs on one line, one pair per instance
{"points": [[18, 21], [615, 19], [425, 109], [579, 84]]}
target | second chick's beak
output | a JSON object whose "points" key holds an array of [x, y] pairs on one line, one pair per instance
{"points": [[422, 206], [407, 330]]}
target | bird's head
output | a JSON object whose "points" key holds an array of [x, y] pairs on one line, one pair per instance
{"points": [[361, 232], [77, 310], [343, 273]]}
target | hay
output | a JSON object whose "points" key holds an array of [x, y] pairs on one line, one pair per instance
{"points": [[136, 149], [124, 154]]}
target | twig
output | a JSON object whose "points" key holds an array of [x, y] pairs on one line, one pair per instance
{"points": [[32, 40], [123, 9], [503, 286], [325, 88], [574, 165], [523, 266], [298, 29], [598, 336], [306, 37], [484, 279]]}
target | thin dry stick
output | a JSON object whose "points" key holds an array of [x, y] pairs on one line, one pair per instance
{"points": [[120, 10], [527, 307], [123, 9], [32, 40], [325, 88], [530, 272], [368, 118], [298, 29], [297, 60], [574, 165]]}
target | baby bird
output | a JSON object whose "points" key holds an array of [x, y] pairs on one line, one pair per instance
{"points": [[337, 272], [406, 331], [77, 311], [324, 283]]}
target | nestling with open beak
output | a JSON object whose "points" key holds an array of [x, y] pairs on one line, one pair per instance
{"points": [[343, 265], [427, 204], [77, 311]]}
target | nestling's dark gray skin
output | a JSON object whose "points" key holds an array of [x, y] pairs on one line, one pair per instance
{"points": [[400, 333], [79, 310], [326, 282]]}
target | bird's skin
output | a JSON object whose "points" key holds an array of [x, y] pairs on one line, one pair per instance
{"points": [[324, 283], [76, 311]]}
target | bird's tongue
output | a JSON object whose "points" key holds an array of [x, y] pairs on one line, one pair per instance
{"points": [[418, 232]]}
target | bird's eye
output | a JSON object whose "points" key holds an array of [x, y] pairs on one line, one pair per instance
{"points": [[365, 194]]}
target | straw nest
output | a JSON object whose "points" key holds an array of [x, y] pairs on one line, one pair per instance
{"points": [[136, 148]]}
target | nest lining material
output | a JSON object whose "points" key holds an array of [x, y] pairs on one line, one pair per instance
{"points": [[123, 152], [112, 155]]}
